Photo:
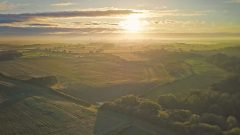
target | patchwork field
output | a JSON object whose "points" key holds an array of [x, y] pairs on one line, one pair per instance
{"points": [[54, 89], [87, 71]]}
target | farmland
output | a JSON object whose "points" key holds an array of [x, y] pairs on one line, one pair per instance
{"points": [[86, 75], [85, 70], [31, 109]]}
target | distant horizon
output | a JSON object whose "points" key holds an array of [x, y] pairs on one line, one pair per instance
{"points": [[153, 37]]}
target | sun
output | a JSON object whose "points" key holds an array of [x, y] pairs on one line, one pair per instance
{"points": [[132, 23]]}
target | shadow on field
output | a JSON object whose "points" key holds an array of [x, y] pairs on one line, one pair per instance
{"points": [[112, 123]]}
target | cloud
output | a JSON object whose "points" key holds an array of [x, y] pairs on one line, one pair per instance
{"points": [[99, 23], [62, 4], [177, 13], [16, 31], [5, 6], [41, 25], [234, 1], [11, 18]]}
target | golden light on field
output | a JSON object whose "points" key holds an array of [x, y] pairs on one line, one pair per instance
{"points": [[132, 23]]}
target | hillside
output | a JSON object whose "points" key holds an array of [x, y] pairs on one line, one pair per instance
{"points": [[43, 88], [27, 109], [85, 69], [195, 113]]}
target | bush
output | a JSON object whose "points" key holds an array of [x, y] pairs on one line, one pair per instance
{"points": [[180, 128], [163, 114], [180, 115], [205, 129], [149, 109], [168, 101], [232, 122], [234, 131], [213, 119], [194, 119]]}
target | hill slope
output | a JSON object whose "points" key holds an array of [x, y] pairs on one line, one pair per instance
{"points": [[33, 109]]}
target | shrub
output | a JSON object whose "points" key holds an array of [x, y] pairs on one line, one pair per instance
{"points": [[232, 122], [168, 101], [205, 129], [213, 119], [149, 109], [234, 131], [180, 115]]}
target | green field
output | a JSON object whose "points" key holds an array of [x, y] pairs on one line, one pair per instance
{"points": [[89, 74], [83, 71], [28, 109]]}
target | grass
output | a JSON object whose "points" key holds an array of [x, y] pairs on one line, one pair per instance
{"points": [[203, 76], [148, 71], [121, 70], [30, 109], [92, 71], [114, 123]]}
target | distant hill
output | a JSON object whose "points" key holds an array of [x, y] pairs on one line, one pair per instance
{"points": [[9, 55]]}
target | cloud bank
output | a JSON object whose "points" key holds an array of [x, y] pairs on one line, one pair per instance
{"points": [[6, 30], [11, 18]]}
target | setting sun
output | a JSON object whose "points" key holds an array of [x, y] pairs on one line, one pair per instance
{"points": [[132, 23]]}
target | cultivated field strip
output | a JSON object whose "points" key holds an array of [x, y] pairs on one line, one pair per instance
{"points": [[32, 116]]}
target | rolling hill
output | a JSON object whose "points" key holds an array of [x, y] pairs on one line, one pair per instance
{"points": [[27, 109]]}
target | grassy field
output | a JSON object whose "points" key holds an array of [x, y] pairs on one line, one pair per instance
{"points": [[26, 109], [96, 73], [87, 71], [108, 122]]}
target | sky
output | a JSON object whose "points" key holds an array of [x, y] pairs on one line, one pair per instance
{"points": [[88, 17]]}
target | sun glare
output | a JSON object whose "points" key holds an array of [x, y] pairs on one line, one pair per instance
{"points": [[132, 23]]}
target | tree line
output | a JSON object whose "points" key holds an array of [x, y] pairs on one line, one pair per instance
{"points": [[210, 112]]}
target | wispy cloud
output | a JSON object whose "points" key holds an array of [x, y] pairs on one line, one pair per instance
{"points": [[6, 6], [178, 13], [11, 18], [62, 4], [41, 25], [233, 1], [7, 30]]}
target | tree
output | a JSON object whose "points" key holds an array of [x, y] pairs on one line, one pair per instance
{"points": [[180, 115], [232, 122], [168, 101], [194, 119], [213, 119], [149, 109], [234, 131], [205, 129], [130, 100]]}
